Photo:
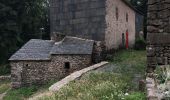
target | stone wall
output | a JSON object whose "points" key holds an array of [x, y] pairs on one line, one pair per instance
{"points": [[158, 37], [77, 62], [80, 18], [27, 73]]}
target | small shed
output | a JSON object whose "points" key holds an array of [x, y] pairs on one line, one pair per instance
{"points": [[40, 61]]}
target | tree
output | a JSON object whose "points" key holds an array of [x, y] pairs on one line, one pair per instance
{"points": [[21, 20], [140, 5]]}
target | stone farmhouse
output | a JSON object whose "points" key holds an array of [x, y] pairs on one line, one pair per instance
{"points": [[40, 61], [113, 22]]}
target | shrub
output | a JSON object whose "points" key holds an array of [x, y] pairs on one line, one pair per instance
{"points": [[5, 69], [140, 44]]}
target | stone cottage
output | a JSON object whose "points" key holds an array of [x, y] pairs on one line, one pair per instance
{"points": [[40, 61], [110, 21]]}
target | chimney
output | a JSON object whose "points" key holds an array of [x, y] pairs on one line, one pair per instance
{"points": [[57, 36]]}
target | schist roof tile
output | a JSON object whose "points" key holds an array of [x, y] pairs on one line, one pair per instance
{"points": [[73, 45], [37, 49], [34, 49]]}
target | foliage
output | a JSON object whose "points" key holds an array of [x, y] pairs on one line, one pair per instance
{"points": [[20, 94], [4, 86], [136, 96], [140, 44], [20, 20], [130, 62], [5, 69], [140, 5], [25, 92], [93, 86]]}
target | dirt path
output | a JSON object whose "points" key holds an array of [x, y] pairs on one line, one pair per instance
{"points": [[2, 95]]}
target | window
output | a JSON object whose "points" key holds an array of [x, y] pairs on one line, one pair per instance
{"points": [[117, 13], [26, 65], [127, 17], [67, 65]]}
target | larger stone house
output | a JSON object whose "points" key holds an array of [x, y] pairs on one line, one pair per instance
{"points": [[40, 61], [110, 21]]}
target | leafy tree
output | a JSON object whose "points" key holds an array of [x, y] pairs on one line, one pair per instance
{"points": [[21, 20], [140, 5]]}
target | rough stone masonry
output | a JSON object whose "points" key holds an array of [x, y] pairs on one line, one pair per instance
{"points": [[158, 39]]}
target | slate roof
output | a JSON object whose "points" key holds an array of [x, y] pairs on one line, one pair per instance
{"points": [[73, 45], [37, 49], [34, 49]]}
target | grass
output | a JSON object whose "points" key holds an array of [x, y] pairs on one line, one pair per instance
{"points": [[108, 85], [25, 92], [130, 61], [4, 86], [136, 96], [20, 94]]}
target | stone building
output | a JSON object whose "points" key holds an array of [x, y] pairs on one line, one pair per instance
{"points": [[40, 61], [107, 21], [158, 35]]}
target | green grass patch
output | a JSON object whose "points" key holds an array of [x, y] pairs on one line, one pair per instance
{"points": [[4, 86], [26, 92], [130, 62], [136, 96], [93, 86], [97, 86], [20, 94]]}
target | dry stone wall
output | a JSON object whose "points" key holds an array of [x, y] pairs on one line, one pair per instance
{"points": [[158, 39], [27, 73]]}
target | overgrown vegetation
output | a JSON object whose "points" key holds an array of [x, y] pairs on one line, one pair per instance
{"points": [[136, 96], [130, 62], [5, 69], [20, 94], [24, 92], [4, 86], [20, 20], [140, 44], [112, 85]]}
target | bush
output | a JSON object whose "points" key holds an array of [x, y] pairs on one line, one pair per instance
{"points": [[5, 69], [140, 44]]}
